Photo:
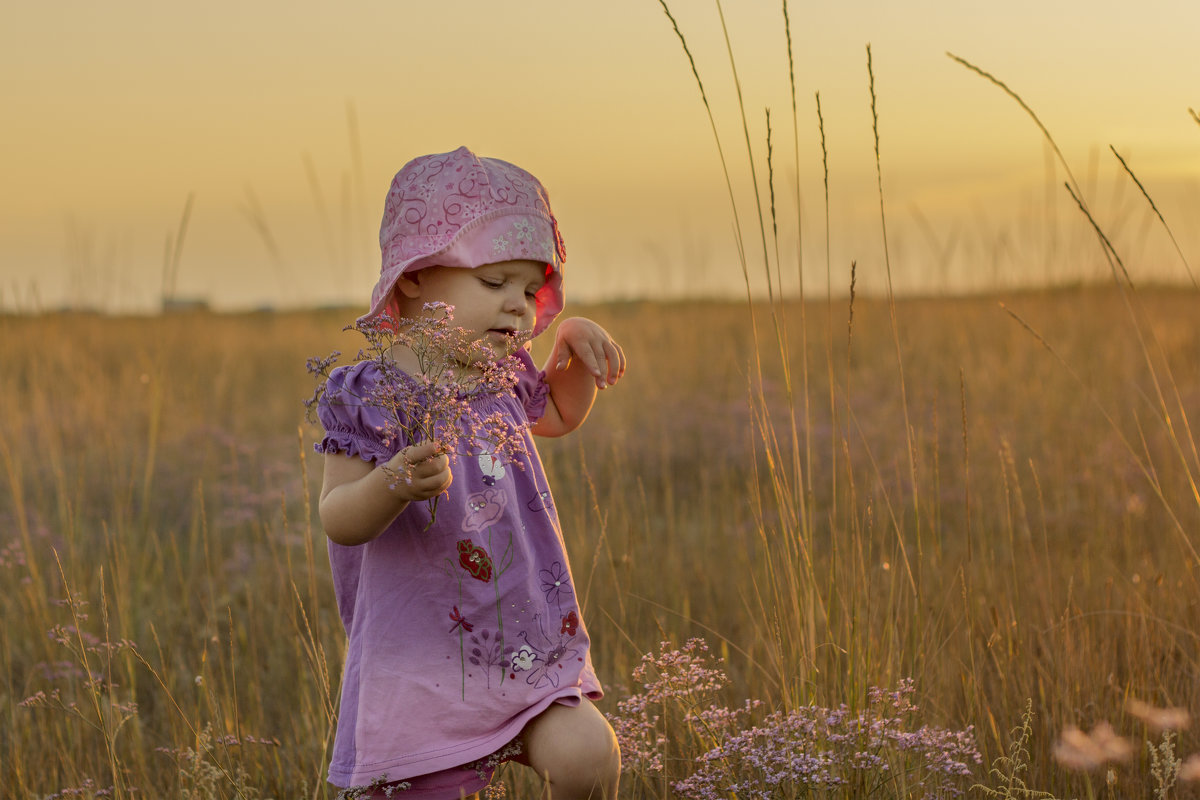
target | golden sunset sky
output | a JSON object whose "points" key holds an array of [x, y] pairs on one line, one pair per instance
{"points": [[287, 120]]}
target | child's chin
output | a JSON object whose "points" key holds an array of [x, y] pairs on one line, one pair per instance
{"points": [[501, 344]]}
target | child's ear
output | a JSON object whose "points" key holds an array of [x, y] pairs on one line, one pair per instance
{"points": [[408, 287]]}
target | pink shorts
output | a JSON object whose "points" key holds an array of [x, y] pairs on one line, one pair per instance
{"points": [[449, 784]]}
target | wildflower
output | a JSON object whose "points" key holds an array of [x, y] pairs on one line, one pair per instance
{"points": [[1159, 719], [1086, 751], [435, 403], [811, 750], [486, 766]]}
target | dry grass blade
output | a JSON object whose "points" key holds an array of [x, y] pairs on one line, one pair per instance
{"points": [[712, 122], [174, 251], [1157, 213], [762, 230], [1045, 131], [1145, 467], [891, 295]]}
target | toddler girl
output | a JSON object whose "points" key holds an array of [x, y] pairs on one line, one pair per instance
{"points": [[467, 646]]}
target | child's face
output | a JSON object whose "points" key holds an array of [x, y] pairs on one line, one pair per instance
{"points": [[492, 301]]}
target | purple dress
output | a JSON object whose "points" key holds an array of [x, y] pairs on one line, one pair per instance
{"points": [[460, 634]]}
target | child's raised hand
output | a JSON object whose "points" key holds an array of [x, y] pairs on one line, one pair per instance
{"points": [[422, 472], [580, 338]]}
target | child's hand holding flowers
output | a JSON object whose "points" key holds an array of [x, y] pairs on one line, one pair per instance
{"points": [[423, 472], [431, 408]]}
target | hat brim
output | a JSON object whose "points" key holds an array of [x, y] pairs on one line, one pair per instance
{"points": [[508, 234]]}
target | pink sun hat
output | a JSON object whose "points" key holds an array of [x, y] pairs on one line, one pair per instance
{"points": [[459, 210]]}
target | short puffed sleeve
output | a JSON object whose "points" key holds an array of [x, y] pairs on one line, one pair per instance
{"points": [[352, 426], [531, 389]]}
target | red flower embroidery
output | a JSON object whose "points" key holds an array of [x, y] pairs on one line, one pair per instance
{"points": [[570, 624], [475, 560]]}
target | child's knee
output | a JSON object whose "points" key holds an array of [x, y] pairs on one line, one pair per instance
{"points": [[577, 751], [597, 753]]}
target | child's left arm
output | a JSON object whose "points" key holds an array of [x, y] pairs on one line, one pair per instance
{"points": [[584, 358]]}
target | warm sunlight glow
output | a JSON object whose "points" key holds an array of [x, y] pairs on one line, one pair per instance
{"points": [[288, 127]]}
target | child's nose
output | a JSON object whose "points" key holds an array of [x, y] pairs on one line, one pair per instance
{"points": [[514, 302]]}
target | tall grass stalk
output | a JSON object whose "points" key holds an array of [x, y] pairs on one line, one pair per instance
{"points": [[173, 251], [1180, 437], [791, 588], [891, 297], [1062, 160], [807, 417], [1154, 207]]}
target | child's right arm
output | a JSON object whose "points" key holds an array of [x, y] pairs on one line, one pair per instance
{"points": [[357, 501]]}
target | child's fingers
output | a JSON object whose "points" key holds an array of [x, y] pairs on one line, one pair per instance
{"points": [[416, 453], [615, 357], [606, 361], [560, 355], [428, 477]]}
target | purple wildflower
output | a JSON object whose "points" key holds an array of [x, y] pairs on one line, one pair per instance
{"points": [[434, 403], [715, 752]]}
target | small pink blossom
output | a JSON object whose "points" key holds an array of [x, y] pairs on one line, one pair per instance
{"points": [[1159, 719], [1086, 751], [435, 403]]}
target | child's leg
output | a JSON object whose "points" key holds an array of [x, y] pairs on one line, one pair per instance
{"points": [[575, 751]]}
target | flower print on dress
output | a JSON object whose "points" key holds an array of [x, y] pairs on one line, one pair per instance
{"points": [[540, 502], [490, 652], [483, 510], [523, 658], [570, 624], [491, 467], [547, 662], [475, 560], [556, 583]]}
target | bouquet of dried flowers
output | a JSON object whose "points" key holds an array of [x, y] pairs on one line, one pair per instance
{"points": [[434, 404]]}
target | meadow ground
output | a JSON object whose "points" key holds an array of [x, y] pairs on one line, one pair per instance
{"points": [[1029, 536]]}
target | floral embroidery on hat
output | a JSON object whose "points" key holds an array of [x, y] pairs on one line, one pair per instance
{"points": [[523, 230]]}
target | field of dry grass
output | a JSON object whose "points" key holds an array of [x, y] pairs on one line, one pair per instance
{"points": [[1032, 536]]}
